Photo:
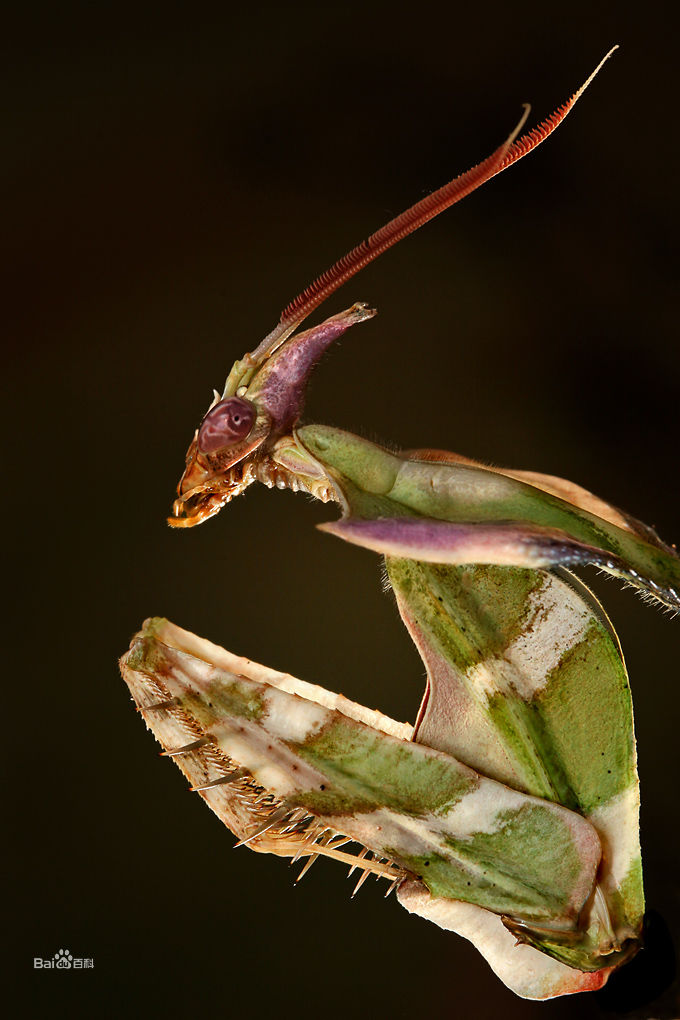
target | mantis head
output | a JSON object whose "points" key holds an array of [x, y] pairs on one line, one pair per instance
{"points": [[262, 401], [216, 459], [264, 393]]}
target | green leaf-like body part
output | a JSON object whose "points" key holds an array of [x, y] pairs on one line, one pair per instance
{"points": [[378, 484], [526, 681], [464, 836]]}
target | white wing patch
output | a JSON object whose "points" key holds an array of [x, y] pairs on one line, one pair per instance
{"points": [[481, 810], [294, 722], [557, 619], [618, 828]]}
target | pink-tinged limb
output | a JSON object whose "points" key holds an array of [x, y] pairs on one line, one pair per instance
{"points": [[523, 969], [504, 544]]}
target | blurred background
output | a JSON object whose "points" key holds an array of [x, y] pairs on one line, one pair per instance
{"points": [[173, 177]]}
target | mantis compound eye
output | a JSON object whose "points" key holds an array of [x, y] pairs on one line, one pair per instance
{"points": [[227, 422]]}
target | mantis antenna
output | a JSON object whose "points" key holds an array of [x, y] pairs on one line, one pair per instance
{"points": [[512, 149]]}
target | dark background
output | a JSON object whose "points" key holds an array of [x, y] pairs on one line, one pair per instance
{"points": [[174, 177]]}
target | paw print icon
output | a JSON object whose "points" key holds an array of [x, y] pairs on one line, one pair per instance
{"points": [[63, 959]]}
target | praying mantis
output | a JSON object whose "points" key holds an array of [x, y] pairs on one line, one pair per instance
{"points": [[509, 811]]}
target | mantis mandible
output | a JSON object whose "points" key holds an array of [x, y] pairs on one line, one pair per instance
{"points": [[509, 811]]}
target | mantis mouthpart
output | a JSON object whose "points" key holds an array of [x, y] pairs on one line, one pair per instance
{"points": [[509, 811]]}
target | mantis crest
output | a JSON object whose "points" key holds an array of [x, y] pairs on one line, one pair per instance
{"points": [[509, 811]]}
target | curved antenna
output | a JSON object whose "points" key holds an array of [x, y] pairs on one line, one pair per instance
{"points": [[426, 209]]}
